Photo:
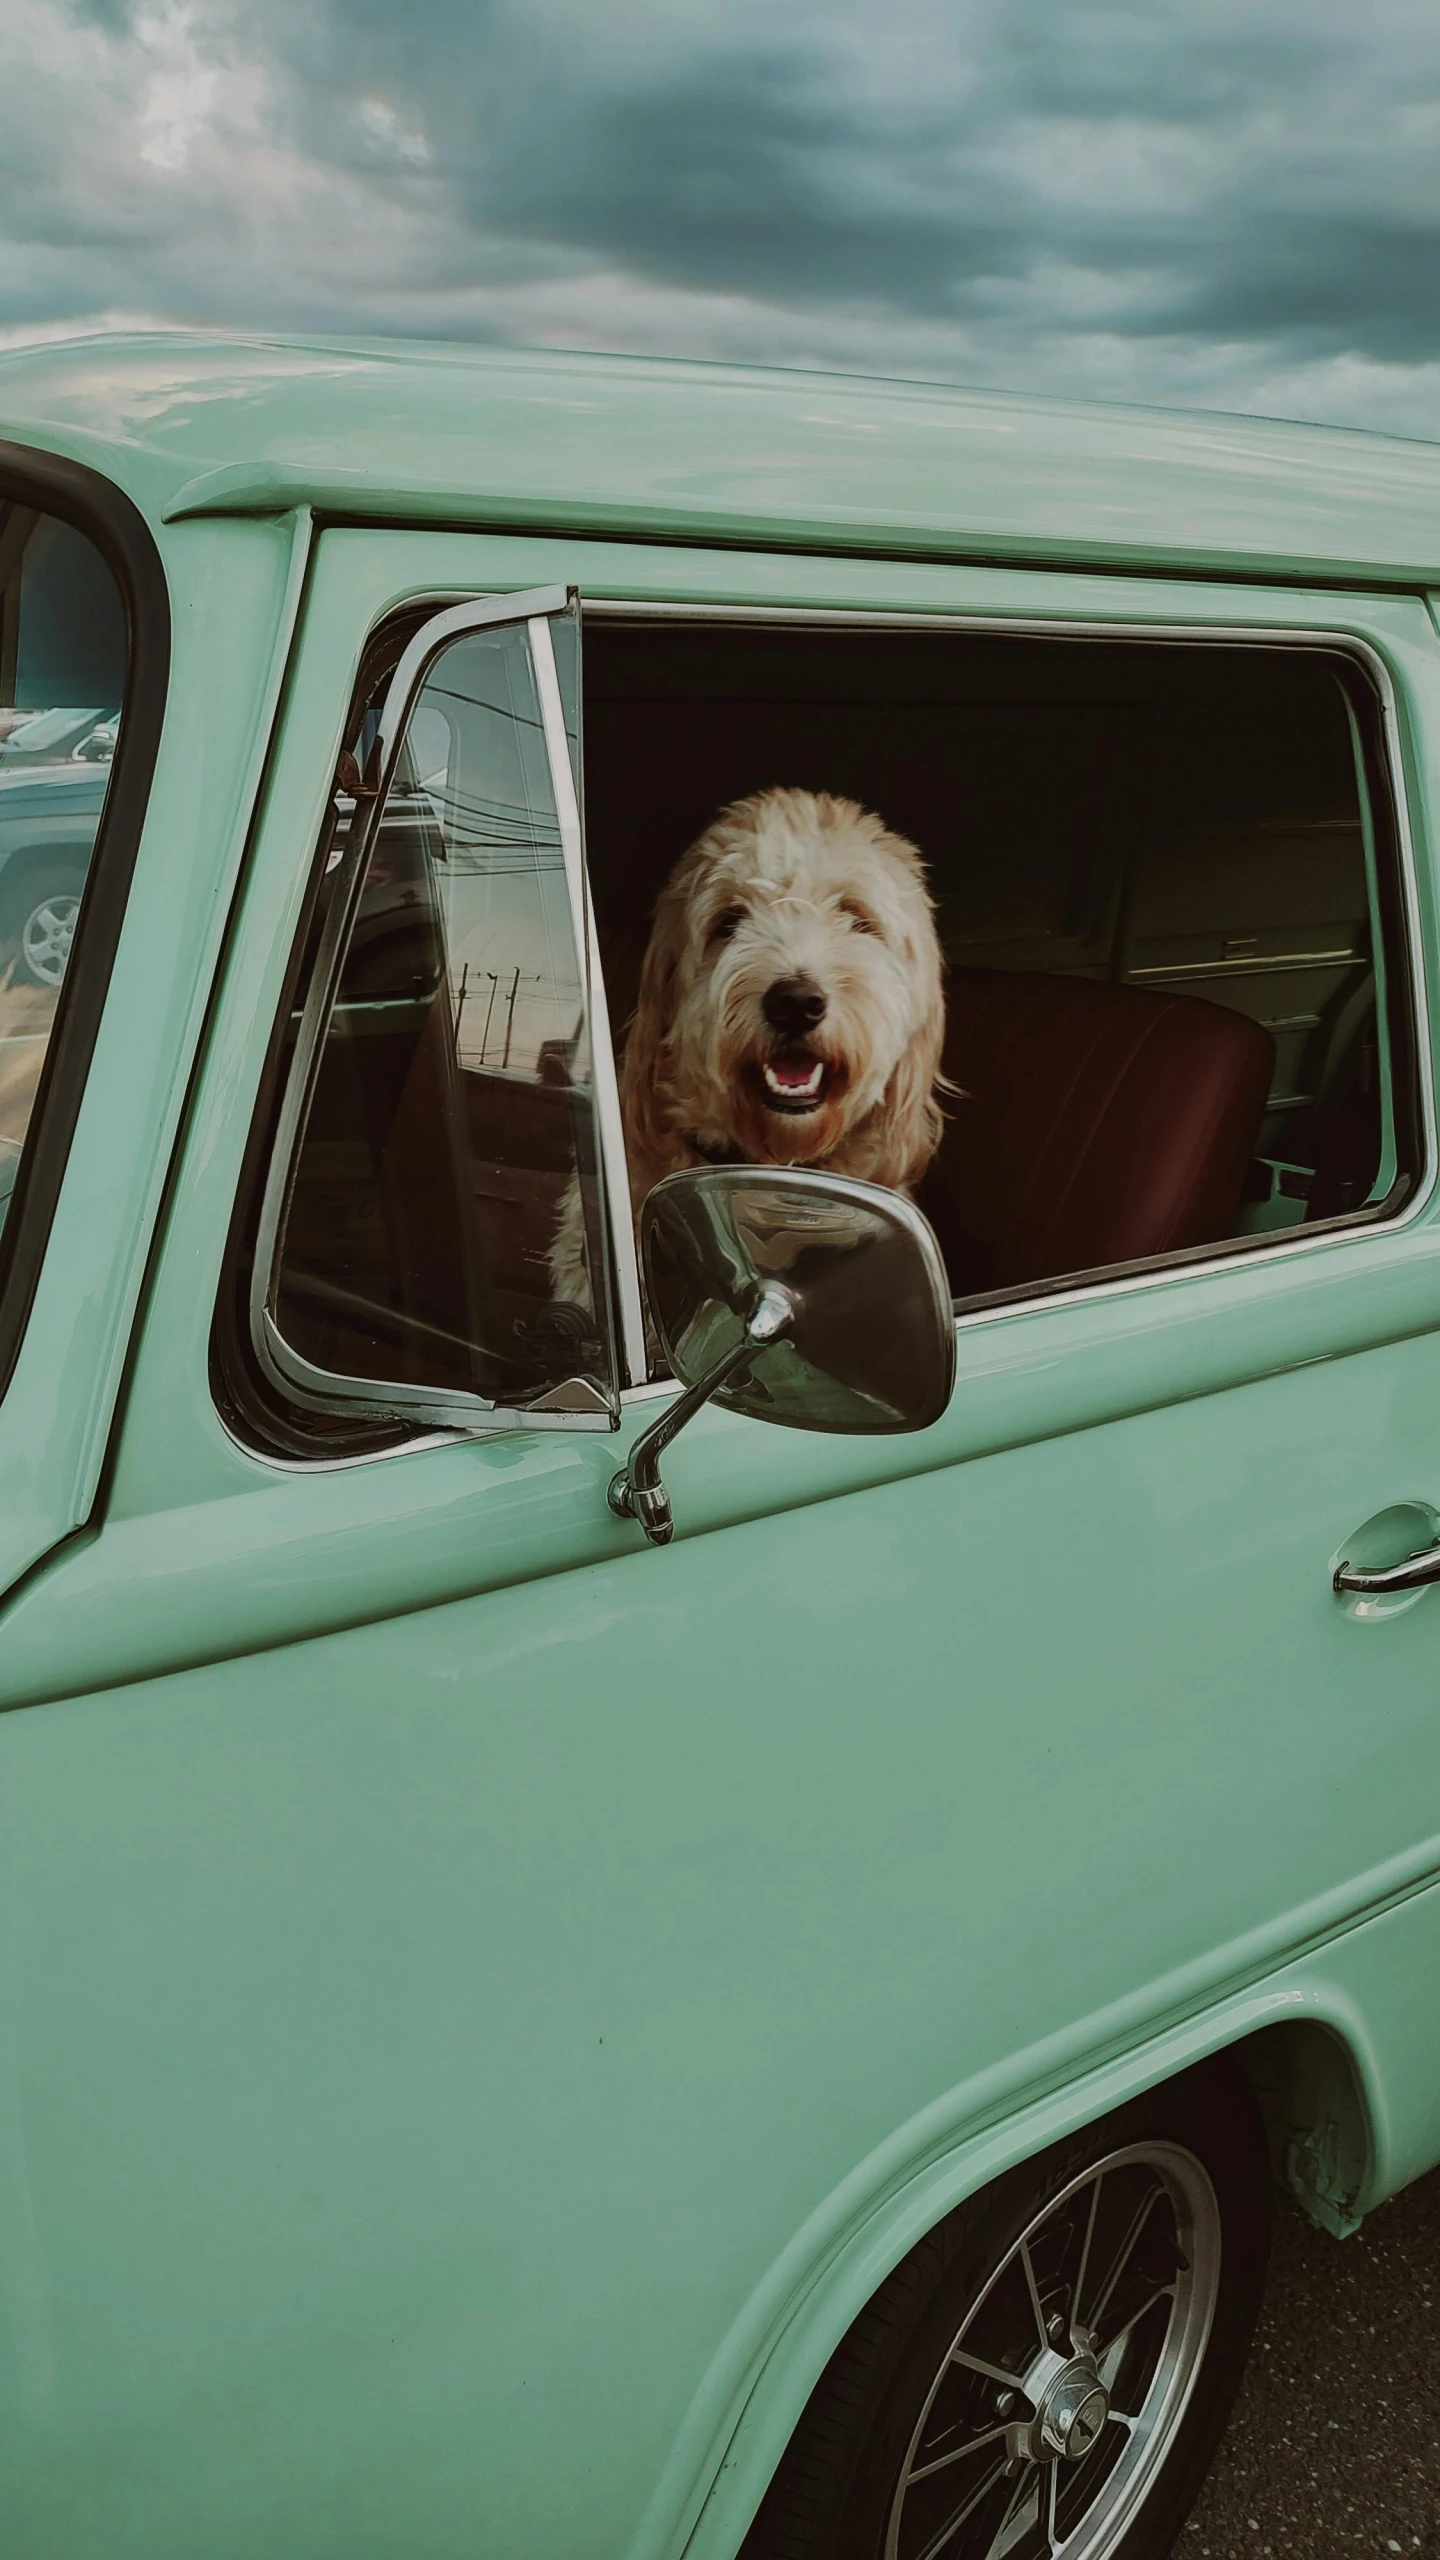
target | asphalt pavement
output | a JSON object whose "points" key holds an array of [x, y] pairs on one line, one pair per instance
{"points": [[1334, 2445]]}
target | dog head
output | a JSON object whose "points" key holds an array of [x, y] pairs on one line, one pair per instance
{"points": [[792, 991]]}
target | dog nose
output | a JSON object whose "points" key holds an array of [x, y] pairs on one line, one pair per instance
{"points": [[794, 1006]]}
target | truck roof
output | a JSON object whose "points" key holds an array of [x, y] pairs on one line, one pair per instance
{"points": [[396, 431]]}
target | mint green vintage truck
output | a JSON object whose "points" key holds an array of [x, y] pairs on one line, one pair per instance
{"points": [[578, 1988]]}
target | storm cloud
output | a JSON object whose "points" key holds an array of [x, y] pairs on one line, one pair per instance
{"points": [[1224, 204]]}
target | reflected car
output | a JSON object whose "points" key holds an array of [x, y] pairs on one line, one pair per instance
{"points": [[44, 737], [48, 817]]}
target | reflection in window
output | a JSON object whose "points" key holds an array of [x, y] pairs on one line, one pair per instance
{"points": [[62, 675], [451, 1114]]}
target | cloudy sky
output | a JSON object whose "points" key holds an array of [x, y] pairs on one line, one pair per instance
{"points": [[1229, 202]]}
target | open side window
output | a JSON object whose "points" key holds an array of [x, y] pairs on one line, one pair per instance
{"points": [[440, 1110], [1170, 892], [1172, 906]]}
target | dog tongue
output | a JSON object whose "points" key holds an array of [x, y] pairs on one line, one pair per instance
{"points": [[796, 1072]]}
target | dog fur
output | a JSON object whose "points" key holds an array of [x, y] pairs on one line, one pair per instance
{"points": [[791, 1007]]}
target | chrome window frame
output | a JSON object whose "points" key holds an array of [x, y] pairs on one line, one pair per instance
{"points": [[287, 1371]]}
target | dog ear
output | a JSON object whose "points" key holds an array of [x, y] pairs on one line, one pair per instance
{"points": [[650, 1138], [911, 1115]]}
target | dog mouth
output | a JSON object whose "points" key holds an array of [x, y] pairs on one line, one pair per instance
{"points": [[793, 1082]]}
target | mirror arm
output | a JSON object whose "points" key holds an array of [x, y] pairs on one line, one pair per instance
{"points": [[637, 1493]]}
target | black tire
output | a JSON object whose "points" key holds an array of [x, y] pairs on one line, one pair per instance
{"points": [[837, 2494], [54, 888]]}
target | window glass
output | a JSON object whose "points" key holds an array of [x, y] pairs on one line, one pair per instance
{"points": [[449, 1136], [62, 677]]}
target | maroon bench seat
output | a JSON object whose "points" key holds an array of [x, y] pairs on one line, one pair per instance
{"points": [[1099, 1124]]}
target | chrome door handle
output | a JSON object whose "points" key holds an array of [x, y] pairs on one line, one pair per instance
{"points": [[1412, 1575]]}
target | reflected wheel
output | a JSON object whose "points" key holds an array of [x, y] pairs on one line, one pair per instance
{"points": [[39, 919]]}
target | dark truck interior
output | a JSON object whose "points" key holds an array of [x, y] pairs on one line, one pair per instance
{"points": [[1159, 908], [1151, 876]]}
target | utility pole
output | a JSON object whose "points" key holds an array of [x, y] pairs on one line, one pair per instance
{"points": [[510, 1017], [489, 1009]]}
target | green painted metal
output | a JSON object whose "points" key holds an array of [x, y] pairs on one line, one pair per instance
{"points": [[483, 2002], [238, 583], [608, 444]]}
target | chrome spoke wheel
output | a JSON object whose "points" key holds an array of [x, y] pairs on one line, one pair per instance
{"points": [[46, 936], [1061, 2393]]}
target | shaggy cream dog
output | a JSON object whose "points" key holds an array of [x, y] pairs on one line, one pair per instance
{"points": [[791, 1007]]}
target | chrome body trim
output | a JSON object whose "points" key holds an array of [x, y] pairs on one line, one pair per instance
{"points": [[394, 1400], [636, 1492], [476, 613], [1413, 1574]]}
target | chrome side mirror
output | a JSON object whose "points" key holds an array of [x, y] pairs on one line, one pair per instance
{"points": [[792, 1297]]}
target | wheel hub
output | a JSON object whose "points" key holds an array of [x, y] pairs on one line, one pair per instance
{"points": [[1071, 2407], [1073, 2411]]}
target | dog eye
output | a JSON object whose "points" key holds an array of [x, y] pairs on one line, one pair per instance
{"points": [[862, 922], [724, 925]]}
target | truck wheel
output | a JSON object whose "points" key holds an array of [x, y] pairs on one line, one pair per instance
{"points": [[1047, 2374]]}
